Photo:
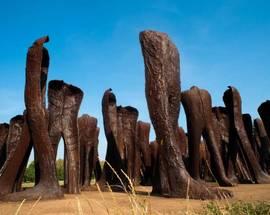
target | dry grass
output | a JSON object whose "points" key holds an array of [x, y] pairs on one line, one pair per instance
{"points": [[136, 204]]}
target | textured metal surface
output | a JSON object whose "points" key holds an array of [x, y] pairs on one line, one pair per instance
{"points": [[88, 139], [198, 108], [64, 104], [163, 93], [233, 104]]}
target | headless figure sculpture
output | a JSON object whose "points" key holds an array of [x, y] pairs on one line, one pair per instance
{"points": [[163, 94], [264, 147], [64, 103], [142, 154], [120, 130], [88, 137], [233, 104], [197, 105], [128, 117], [35, 129]]}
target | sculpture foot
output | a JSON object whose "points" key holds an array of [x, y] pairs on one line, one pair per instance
{"points": [[202, 191], [40, 191]]}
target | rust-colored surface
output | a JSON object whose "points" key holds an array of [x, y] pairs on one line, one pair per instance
{"points": [[227, 148], [64, 104], [88, 139], [14, 138], [120, 131], [198, 108], [115, 148], [142, 169], [263, 145], [264, 111], [162, 73], [183, 142], [206, 173], [129, 117], [4, 127], [19, 146], [36, 128], [233, 104]]}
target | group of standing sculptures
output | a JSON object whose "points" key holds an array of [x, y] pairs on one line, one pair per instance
{"points": [[221, 144]]}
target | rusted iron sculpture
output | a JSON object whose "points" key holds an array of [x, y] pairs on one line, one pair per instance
{"points": [[18, 151], [205, 163], [226, 146], [128, 117], [237, 169], [233, 104], [14, 137], [248, 124], [155, 177], [142, 154], [3, 139], [198, 108], [264, 111], [183, 142], [163, 95], [64, 103], [115, 151], [264, 147], [88, 139], [36, 69], [120, 130]]}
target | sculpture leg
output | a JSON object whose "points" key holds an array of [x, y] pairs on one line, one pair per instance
{"points": [[73, 98], [18, 142], [82, 161], [21, 172], [96, 163], [265, 144], [98, 170], [55, 109], [114, 154], [219, 170], [4, 127], [137, 165], [194, 136], [48, 187], [264, 111], [73, 161], [161, 60], [87, 167], [233, 101]]}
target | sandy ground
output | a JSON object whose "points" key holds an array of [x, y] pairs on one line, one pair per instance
{"points": [[94, 202]]}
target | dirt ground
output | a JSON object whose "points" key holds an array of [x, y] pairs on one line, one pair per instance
{"points": [[94, 202]]}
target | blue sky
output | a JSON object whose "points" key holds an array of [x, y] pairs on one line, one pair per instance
{"points": [[94, 45]]}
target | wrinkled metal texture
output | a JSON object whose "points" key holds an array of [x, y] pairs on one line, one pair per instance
{"points": [[142, 166], [263, 145], [88, 139], [120, 131], [64, 104], [198, 108], [163, 93], [35, 129], [233, 103]]}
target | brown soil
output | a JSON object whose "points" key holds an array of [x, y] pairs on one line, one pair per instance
{"points": [[94, 202]]}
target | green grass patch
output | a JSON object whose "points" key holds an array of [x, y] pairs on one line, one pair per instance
{"points": [[238, 208]]}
